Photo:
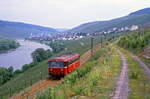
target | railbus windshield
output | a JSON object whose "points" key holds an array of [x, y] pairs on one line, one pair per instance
{"points": [[56, 64]]}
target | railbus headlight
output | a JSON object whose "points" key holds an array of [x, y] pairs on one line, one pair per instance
{"points": [[51, 69]]}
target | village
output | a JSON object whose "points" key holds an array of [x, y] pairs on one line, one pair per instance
{"points": [[78, 35]]}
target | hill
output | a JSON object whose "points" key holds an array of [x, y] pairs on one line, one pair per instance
{"points": [[134, 18], [21, 30], [61, 29], [142, 11]]}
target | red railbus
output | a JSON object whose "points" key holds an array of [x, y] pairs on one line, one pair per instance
{"points": [[63, 65]]}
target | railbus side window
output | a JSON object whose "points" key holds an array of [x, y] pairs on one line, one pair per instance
{"points": [[56, 64], [74, 60]]}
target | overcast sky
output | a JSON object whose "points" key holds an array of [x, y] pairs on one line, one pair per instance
{"points": [[67, 13]]}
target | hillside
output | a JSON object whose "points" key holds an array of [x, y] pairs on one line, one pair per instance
{"points": [[21, 30], [135, 18], [135, 41]]}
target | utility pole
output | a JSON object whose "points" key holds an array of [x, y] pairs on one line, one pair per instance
{"points": [[143, 31], [101, 40], [92, 46]]}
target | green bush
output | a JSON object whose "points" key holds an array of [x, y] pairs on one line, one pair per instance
{"points": [[56, 46], [134, 75], [6, 74]]}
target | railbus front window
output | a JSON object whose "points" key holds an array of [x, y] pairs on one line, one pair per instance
{"points": [[56, 64]]}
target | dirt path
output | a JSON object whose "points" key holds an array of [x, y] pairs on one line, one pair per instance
{"points": [[122, 89], [143, 65], [41, 85]]}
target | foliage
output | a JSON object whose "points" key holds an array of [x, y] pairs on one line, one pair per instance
{"points": [[7, 44], [134, 75], [40, 54], [6, 74], [135, 41], [56, 46]]}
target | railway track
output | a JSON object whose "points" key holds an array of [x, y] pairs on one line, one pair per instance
{"points": [[48, 83]]}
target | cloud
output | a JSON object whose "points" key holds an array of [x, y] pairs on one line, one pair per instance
{"points": [[67, 13]]}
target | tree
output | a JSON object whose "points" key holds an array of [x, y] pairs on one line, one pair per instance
{"points": [[40, 54], [6, 44], [57, 46], [5, 74]]}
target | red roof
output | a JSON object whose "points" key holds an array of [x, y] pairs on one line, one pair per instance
{"points": [[65, 58]]}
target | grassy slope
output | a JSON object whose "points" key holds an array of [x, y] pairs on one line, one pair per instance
{"points": [[93, 80], [138, 82], [39, 72]]}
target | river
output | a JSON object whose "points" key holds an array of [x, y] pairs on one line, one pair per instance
{"points": [[21, 55]]}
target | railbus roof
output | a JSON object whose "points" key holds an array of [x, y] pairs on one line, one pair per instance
{"points": [[65, 57]]}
